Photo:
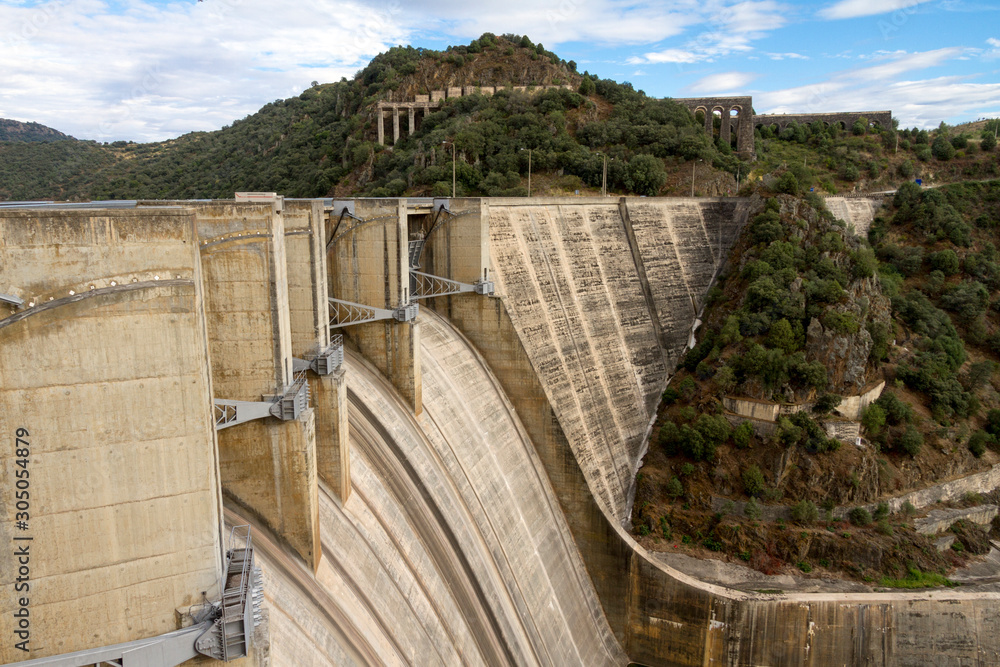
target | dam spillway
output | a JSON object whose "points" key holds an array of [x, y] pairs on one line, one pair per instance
{"points": [[453, 493], [451, 549]]}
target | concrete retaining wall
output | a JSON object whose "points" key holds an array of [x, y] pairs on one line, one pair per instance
{"points": [[855, 211]]}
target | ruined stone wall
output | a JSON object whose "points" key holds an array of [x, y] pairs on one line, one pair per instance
{"points": [[105, 367]]}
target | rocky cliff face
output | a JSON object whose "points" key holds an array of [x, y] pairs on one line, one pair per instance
{"points": [[847, 355]]}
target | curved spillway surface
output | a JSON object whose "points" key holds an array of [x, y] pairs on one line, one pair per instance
{"points": [[451, 548]]}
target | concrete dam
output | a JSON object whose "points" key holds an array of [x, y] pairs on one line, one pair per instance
{"points": [[442, 484]]}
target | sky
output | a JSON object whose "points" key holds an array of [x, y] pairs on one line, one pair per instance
{"points": [[150, 70]]}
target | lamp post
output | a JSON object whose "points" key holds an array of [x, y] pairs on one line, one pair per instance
{"points": [[443, 143], [604, 176], [529, 169], [692, 176]]}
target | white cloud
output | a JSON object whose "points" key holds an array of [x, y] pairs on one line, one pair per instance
{"points": [[728, 29], [666, 56], [136, 70], [847, 9], [722, 83], [993, 41], [787, 56]]}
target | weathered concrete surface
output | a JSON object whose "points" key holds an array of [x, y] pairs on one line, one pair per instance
{"points": [[268, 466], [451, 549], [568, 282], [368, 264], [111, 383], [856, 211], [683, 243], [305, 251]]}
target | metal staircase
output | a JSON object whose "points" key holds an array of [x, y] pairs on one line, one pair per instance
{"points": [[229, 637], [223, 630]]}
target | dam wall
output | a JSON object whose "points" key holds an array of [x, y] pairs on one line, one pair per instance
{"points": [[452, 548], [104, 376], [367, 258], [305, 252], [476, 511]]}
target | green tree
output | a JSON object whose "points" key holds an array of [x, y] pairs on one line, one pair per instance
{"points": [[782, 337], [753, 480], [873, 419], [805, 511], [942, 148], [743, 435], [646, 175]]}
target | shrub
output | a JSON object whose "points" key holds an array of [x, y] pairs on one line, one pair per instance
{"points": [[753, 480], [674, 488], [827, 403], [714, 429], [908, 508], [883, 527], [945, 261], [942, 148], [687, 387], [859, 516], [805, 511], [882, 511], [873, 419], [665, 528], [752, 510], [979, 441], [743, 435], [896, 411], [687, 469], [911, 441]]}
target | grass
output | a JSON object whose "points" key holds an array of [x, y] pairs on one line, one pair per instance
{"points": [[918, 579]]}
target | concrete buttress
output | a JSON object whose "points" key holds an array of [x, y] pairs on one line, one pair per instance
{"points": [[305, 248], [268, 466], [368, 264]]}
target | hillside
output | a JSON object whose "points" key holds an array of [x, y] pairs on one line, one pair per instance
{"points": [[807, 316], [323, 142], [13, 130]]}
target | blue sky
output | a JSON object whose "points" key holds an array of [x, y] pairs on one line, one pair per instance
{"points": [[153, 70]]}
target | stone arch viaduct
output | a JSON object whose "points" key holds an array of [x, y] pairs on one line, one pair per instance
{"points": [[737, 118], [430, 412]]}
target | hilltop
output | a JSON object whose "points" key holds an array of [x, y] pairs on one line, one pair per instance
{"points": [[13, 130]]}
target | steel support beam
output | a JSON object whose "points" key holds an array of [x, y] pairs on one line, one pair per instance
{"points": [[424, 286], [345, 313]]}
